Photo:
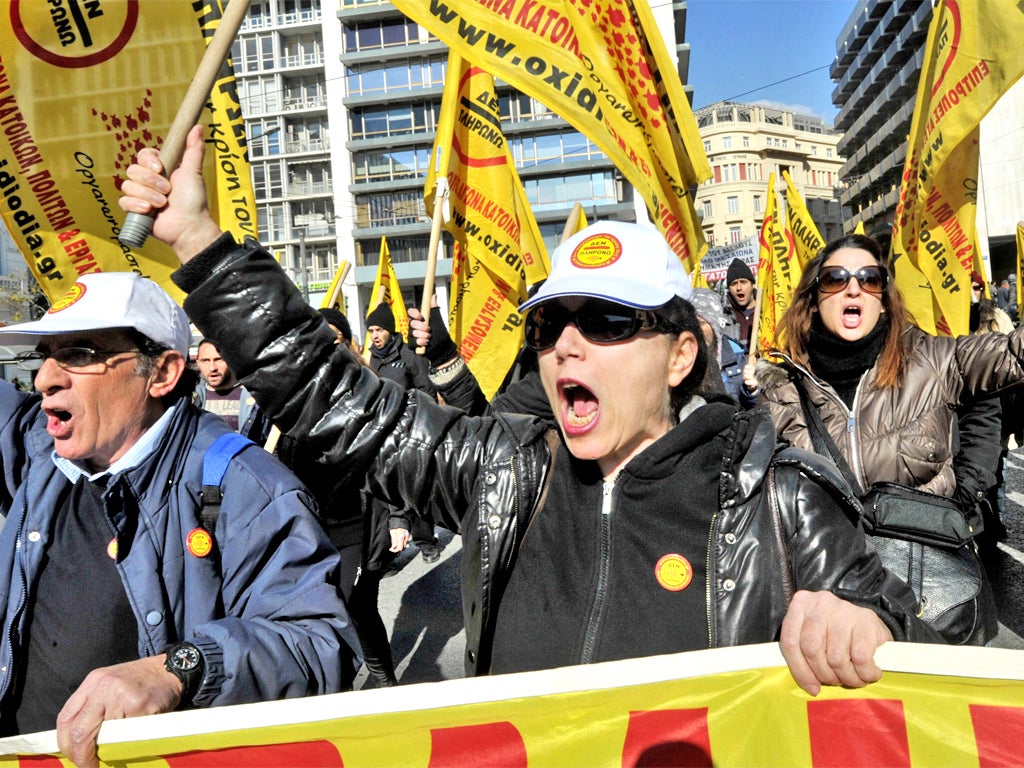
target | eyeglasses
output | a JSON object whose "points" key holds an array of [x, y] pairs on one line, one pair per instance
{"points": [[83, 359], [603, 322], [835, 279]]}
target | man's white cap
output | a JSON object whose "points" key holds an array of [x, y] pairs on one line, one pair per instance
{"points": [[614, 260], [102, 300]]}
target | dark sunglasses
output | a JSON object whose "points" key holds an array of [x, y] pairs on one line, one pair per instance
{"points": [[603, 322], [835, 279]]}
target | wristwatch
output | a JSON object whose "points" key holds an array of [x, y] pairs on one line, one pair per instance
{"points": [[185, 662]]}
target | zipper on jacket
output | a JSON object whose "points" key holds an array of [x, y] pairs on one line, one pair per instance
{"points": [[8, 675], [851, 423], [596, 614], [709, 578]]}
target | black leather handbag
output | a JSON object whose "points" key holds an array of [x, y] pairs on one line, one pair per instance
{"points": [[923, 539]]}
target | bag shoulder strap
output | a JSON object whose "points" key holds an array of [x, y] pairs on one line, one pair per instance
{"points": [[822, 440], [215, 464]]}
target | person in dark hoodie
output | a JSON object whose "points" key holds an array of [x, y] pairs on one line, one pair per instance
{"points": [[391, 359], [739, 303], [687, 526]]}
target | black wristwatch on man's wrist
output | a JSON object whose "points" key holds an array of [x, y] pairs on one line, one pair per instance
{"points": [[185, 662]]}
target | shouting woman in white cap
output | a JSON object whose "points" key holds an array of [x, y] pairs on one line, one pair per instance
{"points": [[641, 526]]}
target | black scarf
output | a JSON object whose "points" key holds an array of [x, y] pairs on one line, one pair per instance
{"points": [[842, 363]]}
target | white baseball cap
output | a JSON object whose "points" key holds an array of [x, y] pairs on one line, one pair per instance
{"points": [[626, 263], [102, 300]]}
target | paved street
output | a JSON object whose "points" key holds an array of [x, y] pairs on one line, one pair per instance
{"points": [[420, 603]]}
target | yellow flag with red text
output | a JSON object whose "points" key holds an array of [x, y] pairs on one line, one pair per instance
{"points": [[500, 248], [972, 56], [602, 66], [806, 238], [776, 264], [83, 87], [386, 290]]}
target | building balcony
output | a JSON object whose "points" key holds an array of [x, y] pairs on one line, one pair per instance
{"points": [[309, 189], [301, 146], [304, 103]]}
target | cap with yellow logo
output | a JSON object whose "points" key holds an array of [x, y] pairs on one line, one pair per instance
{"points": [[617, 261]]}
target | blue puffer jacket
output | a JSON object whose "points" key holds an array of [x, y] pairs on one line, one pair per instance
{"points": [[263, 607]]}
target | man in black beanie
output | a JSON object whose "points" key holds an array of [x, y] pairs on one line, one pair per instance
{"points": [[739, 303], [338, 323], [391, 359]]}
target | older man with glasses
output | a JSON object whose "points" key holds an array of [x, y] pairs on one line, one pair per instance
{"points": [[121, 594], [642, 525]]}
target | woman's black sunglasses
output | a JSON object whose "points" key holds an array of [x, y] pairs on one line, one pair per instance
{"points": [[603, 322], [835, 279]]}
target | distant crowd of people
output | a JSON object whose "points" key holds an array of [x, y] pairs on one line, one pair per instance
{"points": [[159, 558]]}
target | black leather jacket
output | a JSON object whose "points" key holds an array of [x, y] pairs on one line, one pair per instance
{"points": [[486, 476]]}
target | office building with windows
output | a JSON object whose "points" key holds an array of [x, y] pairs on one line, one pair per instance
{"points": [[879, 56], [341, 100], [745, 144], [879, 53]]}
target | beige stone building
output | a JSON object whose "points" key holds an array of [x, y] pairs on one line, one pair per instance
{"points": [[745, 143]]}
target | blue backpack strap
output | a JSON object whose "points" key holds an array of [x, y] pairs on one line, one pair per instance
{"points": [[215, 464]]}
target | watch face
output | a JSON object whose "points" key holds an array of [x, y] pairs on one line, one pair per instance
{"points": [[185, 657]]}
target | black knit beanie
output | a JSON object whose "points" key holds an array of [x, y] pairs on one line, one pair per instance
{"points": [[382, 317], [338, 320], [738, 270]]}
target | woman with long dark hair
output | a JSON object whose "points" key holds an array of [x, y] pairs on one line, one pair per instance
{"points": [[885, 391]]}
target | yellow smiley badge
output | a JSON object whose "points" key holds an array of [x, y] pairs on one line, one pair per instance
{"points": [[199, 542], [673, 572]]}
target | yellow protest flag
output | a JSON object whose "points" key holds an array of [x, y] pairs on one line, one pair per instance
{"points": [[1020, 268], [806, 237], [777, 270], [80, 98], [601, 65], [859, 229], [766, 315], [334, 299], [386, 290], [972, 56], [501, 250]]}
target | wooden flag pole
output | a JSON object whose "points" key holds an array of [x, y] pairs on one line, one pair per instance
{"points": [[337, 287], [571, 222], [137, 226], [440, 194]]}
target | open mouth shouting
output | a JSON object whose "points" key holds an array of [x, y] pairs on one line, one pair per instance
{"points": [[579, 406], [58, 422], [851, 316]]}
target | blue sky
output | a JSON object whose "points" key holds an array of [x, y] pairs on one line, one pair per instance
{"points": [[739, 46]]}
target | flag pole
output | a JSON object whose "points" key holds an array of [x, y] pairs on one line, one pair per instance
{"points": [[440, 195], [754, 347], [571, 222], [137, 226], [329, 302]]}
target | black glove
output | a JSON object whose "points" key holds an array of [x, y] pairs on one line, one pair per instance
{"points": [[440, 349]]}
